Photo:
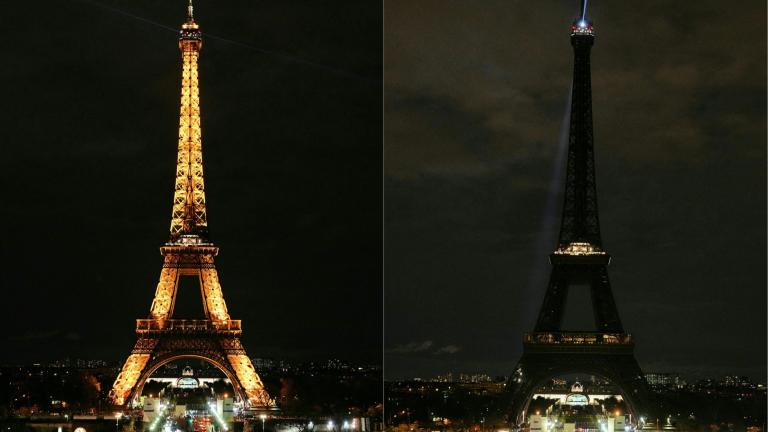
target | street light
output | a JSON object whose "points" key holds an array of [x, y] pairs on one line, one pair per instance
{"points": [[311, 425], [330, 425], [117, 420], [263, 418]]}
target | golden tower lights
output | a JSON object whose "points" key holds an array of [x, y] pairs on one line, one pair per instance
{"points": [[189, 252]]}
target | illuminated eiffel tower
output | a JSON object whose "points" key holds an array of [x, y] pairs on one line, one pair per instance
{"points": [[578, 262], [189, 253]]}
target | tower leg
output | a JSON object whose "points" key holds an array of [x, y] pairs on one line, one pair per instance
{"points": [[603, 305], [162, 305], [132, 370], [257, 396], [551, 313], [212, 295]]}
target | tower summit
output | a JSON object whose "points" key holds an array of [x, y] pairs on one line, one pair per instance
{"points": [[578, 263], [162, 337]]}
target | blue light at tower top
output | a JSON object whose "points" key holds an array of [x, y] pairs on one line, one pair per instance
{"points": [[582, 26]]}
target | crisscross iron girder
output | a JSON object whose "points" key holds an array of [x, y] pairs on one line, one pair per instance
{"points": [[189, 212], [580, 221]]}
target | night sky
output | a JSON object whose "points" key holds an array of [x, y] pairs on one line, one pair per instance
{"points": [[474, 104], [291, 120]]}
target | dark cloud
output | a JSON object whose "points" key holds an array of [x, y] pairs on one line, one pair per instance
{"points": [[412, 347], [448, 349], [476, 95], [423, 348]]}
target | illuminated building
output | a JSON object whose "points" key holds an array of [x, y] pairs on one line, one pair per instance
{"points": [[736, 381], [578, 411], [189, 253], [664, 380]]}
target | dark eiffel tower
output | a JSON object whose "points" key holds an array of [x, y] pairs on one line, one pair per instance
{"points": [[551, 350]]}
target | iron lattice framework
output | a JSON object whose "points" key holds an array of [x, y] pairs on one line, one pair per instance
{"points": [[579, 259], [161, 338], [580, 223]]}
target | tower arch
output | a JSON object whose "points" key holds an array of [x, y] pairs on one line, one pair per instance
{"points": [[210, 358], [523, 391]]}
